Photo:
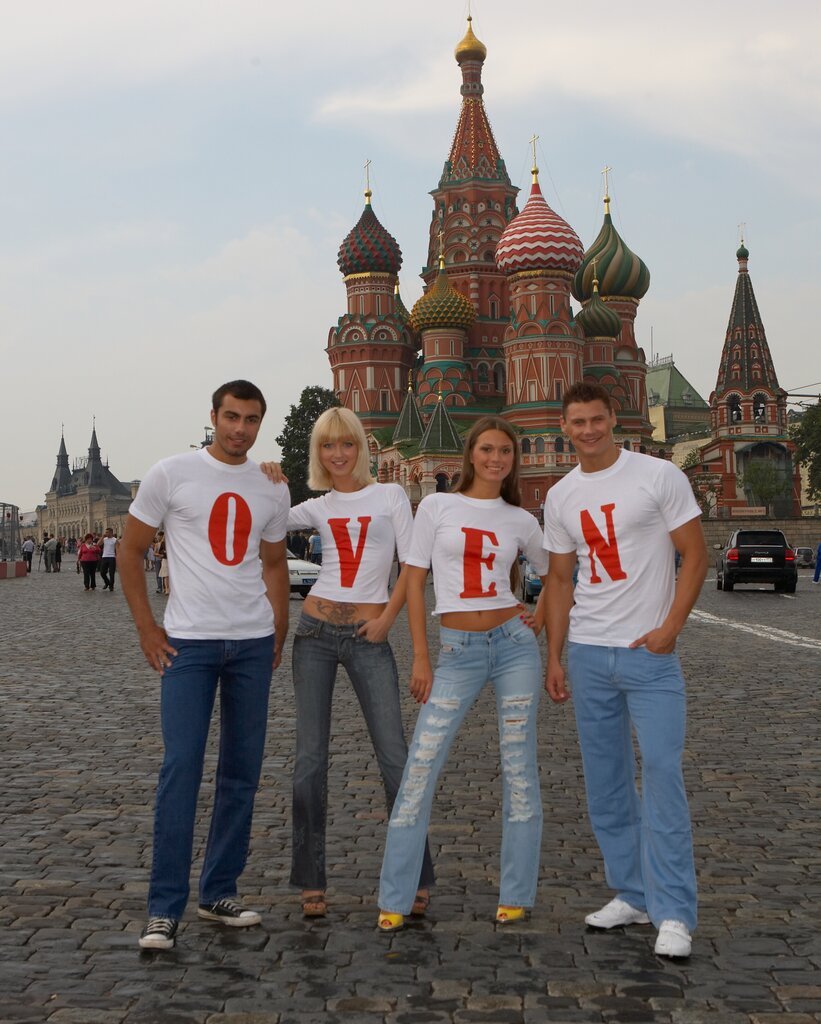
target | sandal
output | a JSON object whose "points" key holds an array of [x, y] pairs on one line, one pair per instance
{"points": [[313, 904], [390, 922], [510, 915], [421, 902]]}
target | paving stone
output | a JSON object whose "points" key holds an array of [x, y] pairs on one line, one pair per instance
{"points": [[75, 851]]}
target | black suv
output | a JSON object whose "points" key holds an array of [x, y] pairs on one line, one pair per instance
{"points": [[757, 556]]}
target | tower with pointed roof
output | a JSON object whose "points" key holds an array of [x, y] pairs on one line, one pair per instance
{"points": [[371, 348], [473, 203], [86, 497], [748, 411]]}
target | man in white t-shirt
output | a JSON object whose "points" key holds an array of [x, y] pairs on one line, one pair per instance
{"points": [[221, 517], [625, 515], [108, 560]]}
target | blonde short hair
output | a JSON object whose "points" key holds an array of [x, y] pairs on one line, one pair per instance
{"points": [[338, 424]]}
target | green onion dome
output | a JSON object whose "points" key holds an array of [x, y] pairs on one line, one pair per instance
{"points": [[596, 318], [368, 247], [742, 253], [620, 272], [442, 306]]}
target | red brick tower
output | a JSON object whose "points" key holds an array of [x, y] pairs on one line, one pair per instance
{"points": [[371, 349], [473, 203]]}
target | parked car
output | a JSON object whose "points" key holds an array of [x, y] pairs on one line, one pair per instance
{"points": [[302, 574], [756, 556], [805, 558], [531, 583]]}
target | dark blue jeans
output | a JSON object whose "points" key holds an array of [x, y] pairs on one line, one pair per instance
{"points": [[243, 670], [319, 648]]}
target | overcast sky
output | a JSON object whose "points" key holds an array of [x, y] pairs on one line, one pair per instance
{"points": [[177, 177]]}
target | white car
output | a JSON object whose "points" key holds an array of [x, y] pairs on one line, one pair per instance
{"points": [[302, 574]]}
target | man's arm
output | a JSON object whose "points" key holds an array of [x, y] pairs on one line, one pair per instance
{"points": [[558, 598], [689, 542], [277, 587], [153, 639]]}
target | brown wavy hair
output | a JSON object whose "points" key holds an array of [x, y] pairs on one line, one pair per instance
{"points": [[510, 485]]}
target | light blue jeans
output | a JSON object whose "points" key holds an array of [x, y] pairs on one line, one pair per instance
{"points": [[508, 657], [646, 840]]}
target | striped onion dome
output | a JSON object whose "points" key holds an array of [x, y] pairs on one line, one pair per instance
{"points": [[538, 239], [620, 272], [597, 319], [442, 306], [368, 247]]}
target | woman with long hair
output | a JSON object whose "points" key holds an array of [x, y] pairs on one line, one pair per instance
{"points": [[345, 622], [471, 538]]}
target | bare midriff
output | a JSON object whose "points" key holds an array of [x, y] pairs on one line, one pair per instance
{"points": [[341, 613], [478, 622]]}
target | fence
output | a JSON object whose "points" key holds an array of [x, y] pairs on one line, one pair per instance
{"points": [[10, 539]]}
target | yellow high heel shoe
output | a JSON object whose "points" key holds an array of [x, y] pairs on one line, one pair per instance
{"points": [[510, 915], [390, 922]]}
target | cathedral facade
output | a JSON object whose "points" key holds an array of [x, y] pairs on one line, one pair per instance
{"points": [[495, 330]]}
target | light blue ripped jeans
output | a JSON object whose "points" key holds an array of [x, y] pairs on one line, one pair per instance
{"points": [[508, 657]]}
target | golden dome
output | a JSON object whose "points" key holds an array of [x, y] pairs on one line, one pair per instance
{"points": [[470, 48]]}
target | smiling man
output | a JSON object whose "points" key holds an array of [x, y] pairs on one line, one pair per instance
{"points": [[221, 517], [624, 515]]}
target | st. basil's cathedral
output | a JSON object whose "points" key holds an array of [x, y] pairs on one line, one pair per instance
{"points": [[495, 326], [495, 332]]}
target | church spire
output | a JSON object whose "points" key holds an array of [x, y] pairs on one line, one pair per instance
{"points": [[746, 364]]}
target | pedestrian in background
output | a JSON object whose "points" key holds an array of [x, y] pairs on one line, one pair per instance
{"points": [[87, 559]]}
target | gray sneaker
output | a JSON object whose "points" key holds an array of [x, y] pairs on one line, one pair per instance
{"points": [[229, 911], [159, 933]]}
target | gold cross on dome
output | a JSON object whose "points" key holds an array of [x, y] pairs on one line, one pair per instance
{"points": [[605, 172]]}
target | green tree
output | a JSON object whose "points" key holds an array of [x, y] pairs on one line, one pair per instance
{"points": [[766, 481], [295, 438], [807, 436]]}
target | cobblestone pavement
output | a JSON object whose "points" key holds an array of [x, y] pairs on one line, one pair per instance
{"points": [[81, 747]]}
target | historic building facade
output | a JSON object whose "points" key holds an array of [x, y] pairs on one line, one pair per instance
{"points": [[750, 444], [85, 498], [495, 331]]}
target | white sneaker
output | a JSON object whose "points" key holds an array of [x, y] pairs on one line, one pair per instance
{"points": [[616, 913], [673, 939]]}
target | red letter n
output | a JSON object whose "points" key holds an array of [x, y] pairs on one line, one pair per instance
{"points": [[607, 551]]}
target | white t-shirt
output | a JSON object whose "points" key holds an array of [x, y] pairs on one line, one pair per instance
{"points": [[359, 533], [471, 544], [109, 547], [618, 521], [215, 516]]}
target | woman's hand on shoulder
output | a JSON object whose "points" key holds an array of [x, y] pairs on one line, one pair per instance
{"points": [[273, 470], [421, 678], [375, 631]]}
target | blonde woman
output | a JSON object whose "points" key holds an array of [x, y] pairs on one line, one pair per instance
{"points": [[345, 622]]}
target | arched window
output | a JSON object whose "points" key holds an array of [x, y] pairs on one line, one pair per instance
{"points": [[525, 446], [483, 373], [539, 445], [559, 445], [733, 409], [442, 483], [499, 377], [759, 408]]}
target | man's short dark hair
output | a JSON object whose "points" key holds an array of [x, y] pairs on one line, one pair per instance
{"points": [[244, 390], [585, 392]]}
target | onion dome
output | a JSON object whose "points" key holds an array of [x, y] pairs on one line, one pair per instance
{"points": [[368, 247], [399, 309], [469, 48], [442, 305], [742, 253], [538, 238], [596, 318], [620, 272]]}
